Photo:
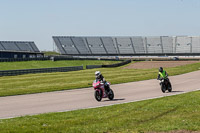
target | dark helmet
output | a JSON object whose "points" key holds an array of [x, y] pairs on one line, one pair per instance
{"points": [[161, 69]]}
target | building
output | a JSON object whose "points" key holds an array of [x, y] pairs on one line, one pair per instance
{"points": [[19, 49]]}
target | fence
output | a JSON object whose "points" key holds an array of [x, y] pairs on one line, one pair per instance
{"points": [[41, 70]]}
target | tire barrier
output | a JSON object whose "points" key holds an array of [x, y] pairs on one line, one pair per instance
{"points": [[58, 58], [57, 69], [41, 70], [24, 59], [53, 58], [112, 65], [93, 66], [118, 64]]}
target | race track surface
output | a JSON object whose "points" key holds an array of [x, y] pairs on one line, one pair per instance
{"points": [[59, 101]]}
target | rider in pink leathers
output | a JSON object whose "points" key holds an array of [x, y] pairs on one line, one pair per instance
{"points": [[100, 78]]}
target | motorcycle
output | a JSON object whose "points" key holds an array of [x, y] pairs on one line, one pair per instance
{"points": [[165, 85], [100, 91]]}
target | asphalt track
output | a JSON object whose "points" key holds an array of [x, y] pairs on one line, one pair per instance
{"points": [[60, 101]]}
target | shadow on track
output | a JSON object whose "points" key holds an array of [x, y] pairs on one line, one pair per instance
{"points": [[175, 91], [120, 99]]}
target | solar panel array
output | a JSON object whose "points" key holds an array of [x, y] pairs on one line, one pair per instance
{"points": [[18, 46], [127, 45]]}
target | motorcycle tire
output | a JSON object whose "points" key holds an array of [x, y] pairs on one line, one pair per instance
{"points": [[169, 88], [98, 95], [163, 89], [111, 95]]}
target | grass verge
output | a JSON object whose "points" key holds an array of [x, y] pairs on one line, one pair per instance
{"points": [[174, 113], [46, 82], [48, 53], [49, 64]]}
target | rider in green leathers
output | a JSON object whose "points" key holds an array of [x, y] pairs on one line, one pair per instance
{"points": [[162, 74]]}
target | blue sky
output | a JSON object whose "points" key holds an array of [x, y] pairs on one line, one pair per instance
{"points": [[39, 20]]}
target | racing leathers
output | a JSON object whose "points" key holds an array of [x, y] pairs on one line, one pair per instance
{"points": [[102, 79], [163, 75]]}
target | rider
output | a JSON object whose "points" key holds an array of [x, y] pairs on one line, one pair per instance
{"points": [[162, 74], [100, 77]]}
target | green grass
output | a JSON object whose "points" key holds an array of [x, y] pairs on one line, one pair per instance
{"points": [[49, 64], [174, 113], [47, 53], [46, 82]]}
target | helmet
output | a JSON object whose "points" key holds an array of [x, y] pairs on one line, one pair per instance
{"points": [[97, 74], [161, 69]]}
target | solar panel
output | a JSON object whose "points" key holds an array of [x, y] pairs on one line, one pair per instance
{"points": [[10, 46], [109, 45], [195, 44], [18, 46], [68, 45], [32, 44], [167, 44], [59, 45], [127, 45], [1, 47], [96, 45], [154, 45], [23, 46], [183, 45], [138, 44], [81, 45]]}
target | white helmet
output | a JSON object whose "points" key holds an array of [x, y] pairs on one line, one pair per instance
{"points": [[97, 74]]}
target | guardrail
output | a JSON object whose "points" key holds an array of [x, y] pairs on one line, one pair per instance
{"points": [[112, 65], [41, 70]]}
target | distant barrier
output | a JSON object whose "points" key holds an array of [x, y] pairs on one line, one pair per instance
{"points": [[118, 64], [41, 70], [112, 65], [57, 58], [57, 69], [93, 66], [53, 58], [23, 59]]}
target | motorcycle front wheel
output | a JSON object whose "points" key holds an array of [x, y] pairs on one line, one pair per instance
{"points": [[163, 88], [170, 88], [111, 95], [97, 96]]}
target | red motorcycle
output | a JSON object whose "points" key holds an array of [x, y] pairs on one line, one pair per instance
{"points": [[100, 91]]}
